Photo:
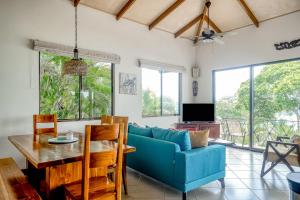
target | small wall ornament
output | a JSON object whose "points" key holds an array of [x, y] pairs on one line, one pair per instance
{"points": [[287, 45], [195, 88], [195, 72]]}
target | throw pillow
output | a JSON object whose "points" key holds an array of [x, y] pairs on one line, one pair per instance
{"points": [[296, 140], [199, 138], [182, 138], [146, 132]]}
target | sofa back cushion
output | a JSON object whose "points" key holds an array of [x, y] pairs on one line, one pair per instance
{"points": [[146, 132], [182, 138]]}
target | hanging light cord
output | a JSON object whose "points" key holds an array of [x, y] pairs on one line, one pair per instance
{"points": [[75, 27], [208, 17]]}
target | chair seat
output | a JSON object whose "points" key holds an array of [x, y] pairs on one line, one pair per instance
{"points": [[292, 158], [99, 188]]}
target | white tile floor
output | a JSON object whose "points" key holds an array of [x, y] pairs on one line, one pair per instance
{"points": [[242, 181]]}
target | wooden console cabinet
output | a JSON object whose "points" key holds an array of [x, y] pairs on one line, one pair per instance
{"points": [[214, 127]]}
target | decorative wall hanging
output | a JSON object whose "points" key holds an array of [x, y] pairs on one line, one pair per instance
{"points": [[287, 45], [128, 84], [195, 88], [195, 72]]}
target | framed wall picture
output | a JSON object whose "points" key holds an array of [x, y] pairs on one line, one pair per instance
{"points": [[128, 84]]}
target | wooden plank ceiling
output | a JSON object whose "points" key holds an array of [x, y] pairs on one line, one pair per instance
{"points": [[187, 18]]}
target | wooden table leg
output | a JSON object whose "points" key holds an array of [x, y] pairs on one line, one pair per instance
{"points": [[124, 175]]}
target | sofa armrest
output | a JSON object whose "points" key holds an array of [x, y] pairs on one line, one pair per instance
{"points": [[199, 163]]}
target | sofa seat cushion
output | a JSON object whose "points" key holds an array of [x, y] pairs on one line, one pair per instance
{"points": [[146, 132], [182, 138]]}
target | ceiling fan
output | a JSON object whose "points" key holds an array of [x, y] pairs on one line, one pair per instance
{"points": [[208, 35]]}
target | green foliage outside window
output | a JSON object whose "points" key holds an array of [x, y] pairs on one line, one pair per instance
{"points": [[61, 94], [160, 93], [276, 102]]}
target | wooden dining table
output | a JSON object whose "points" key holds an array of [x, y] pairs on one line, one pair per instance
{"points": [[53, 165]]}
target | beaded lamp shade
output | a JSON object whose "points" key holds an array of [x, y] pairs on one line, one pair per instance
{"points": [[75, 66]]}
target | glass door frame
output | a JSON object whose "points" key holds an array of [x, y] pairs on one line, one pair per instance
{"points": [[251, 95]]}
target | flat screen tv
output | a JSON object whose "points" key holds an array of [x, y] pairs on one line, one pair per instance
{"points": [[198, 112]]}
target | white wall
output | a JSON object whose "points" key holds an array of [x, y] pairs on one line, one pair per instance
{"points": [[251, 46], [53, 21]]}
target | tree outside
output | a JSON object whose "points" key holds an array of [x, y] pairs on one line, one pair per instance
{"points": [[61, 94], [152, 104], [276, 101]]}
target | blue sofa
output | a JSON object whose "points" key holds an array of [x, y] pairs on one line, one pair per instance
{"points": [[165, 161]]}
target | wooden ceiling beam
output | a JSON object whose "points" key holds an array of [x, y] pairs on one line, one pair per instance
{"points": [[165, 13], [212, 24], [76, 2], [124, 9], [249, 12], [200, 25], [187, 26]]}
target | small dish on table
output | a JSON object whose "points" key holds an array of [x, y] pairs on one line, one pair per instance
{"points": [[63, 139]]}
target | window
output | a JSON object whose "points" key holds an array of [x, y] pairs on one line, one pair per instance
{"points": [[75, 97], [160, 93], [258, 103]]}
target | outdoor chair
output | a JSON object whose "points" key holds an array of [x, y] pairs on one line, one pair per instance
{"points": [[224, 130], [280, 152], [236, 128]]}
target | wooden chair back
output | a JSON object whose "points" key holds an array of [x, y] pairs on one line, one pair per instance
{"points": [[123, 120], [106, 119], [105, 132], [102, 160], [44, 119]]}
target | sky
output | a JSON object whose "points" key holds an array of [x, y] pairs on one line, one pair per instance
{"points": [[229, 81], [151, 80]]}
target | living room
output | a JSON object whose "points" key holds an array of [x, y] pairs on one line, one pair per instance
{"points": [[173, 60]]}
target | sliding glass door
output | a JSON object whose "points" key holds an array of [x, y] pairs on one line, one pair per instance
{"points": [[232, 104], [276, 101], [258, 103]]}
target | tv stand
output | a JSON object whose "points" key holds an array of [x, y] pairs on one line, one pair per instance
{"points": [[214, 127]]}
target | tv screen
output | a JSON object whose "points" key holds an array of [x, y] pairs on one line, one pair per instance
{"points": [[198, 112]]}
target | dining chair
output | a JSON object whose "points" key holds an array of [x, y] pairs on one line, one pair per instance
{"points": [[106, 119], [123, 120], [118, 120], [100, 187], [44, 119]]}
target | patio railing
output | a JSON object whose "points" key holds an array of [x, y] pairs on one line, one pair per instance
{"points": [[237, 130]]}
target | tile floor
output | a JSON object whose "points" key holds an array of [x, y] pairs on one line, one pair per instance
{"points": [[242, 181]]}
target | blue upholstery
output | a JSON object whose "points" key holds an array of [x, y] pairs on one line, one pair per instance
{"points": [[183, 170], [152, 157], [182, 138], [201, 163], [147, 132]]}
